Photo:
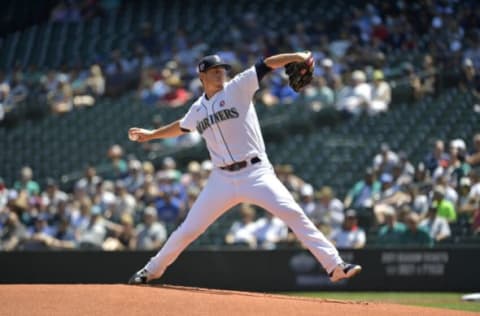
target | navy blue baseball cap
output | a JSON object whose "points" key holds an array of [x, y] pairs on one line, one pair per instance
{"points": [[210, 61]]}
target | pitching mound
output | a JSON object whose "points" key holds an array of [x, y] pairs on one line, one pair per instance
{"points": [[106, 300]]}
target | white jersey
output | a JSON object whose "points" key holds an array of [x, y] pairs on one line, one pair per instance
{"points": [[228, 121]]}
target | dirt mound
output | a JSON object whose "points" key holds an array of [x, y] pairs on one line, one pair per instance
{"points": [[117, 300]]}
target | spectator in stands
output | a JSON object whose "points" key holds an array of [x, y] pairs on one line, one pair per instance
{"points": [[381, 94], [80, 216], [135, 177], [242, 232], [95, 82], [413, 81], [358, 97], [444, 207], [61, 98], [474, 201], [391, 232], [385, 160], [4, 92], [170, 165], [456, 166], [61, 211], [401, 178], [307, 202], [329, 72], [193, 177], [12, 233], [118, 167], [125, 202], [64, 237], [279, 91], [40, 234], [53, 196], [405, 167], [415, 235], [451, 194], [177, 95], [388, 189], [3, 194], [429, 74], [470, 79], [287, 176], [319, 95], [117, 71], [168, 202], [148, 193], [389, 195], [473, 52], [464, 204], [363, 192], [78, 78], [141, 58], [151, 234], [269, 231], [89, 182], [476, 222], [124, 236], [350, 235], [328, 212], [93, 234], [437, 157], [473, 158], [18, 93], [419, 200], [152, 86], [27, 183], [436, 226], [105, 198]]}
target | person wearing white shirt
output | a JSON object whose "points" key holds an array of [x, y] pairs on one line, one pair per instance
{"points": [[359, 95], [381, 94], [243, 231], [269, 231], [350, 235], [437, 227]]}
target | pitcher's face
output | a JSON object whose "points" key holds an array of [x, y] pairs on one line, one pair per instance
{"points": [[215, 77]]}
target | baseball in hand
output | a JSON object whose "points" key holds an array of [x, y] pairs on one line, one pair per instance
{"points": [[132, 137]]}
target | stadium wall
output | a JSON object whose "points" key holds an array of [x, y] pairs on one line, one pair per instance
{"points": [[281, 270]]}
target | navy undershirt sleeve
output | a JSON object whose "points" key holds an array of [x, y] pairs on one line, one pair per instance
{"points": [[261, 69]]}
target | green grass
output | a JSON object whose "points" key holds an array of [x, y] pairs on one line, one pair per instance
{"points": [[427, 299]]}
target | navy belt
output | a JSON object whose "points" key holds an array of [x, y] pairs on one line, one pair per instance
{"points": [[241, 164]]}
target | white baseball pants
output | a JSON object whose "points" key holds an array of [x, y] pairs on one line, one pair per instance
{"points": [[255, 184]]}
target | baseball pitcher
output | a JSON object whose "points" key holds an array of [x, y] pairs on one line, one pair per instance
{"points": [[226, 118]]}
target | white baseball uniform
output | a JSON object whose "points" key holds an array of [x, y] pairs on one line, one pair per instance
{"points": [[228, 122]]}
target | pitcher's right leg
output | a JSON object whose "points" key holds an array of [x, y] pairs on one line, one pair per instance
{"points": [[217, 196], [268, 192]]}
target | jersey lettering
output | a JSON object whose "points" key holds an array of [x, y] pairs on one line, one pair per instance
{"points": [[216, 117]]}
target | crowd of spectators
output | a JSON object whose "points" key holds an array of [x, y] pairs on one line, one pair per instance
{"points": [[135, 205], [33, 92], [353, 55]]}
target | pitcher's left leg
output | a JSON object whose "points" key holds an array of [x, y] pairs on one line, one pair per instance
{"points": [[268, 192]]}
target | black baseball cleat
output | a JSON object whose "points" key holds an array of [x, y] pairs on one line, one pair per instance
{"points": [[344, 271], [139, 278]]}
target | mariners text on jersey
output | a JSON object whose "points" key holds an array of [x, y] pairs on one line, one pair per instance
{"points": [[215, 118]]}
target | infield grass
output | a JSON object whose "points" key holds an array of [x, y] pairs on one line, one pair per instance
{"points": [[427, 299]]}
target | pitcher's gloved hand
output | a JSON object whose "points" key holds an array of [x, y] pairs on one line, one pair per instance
{"points": [[300, 74]]}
